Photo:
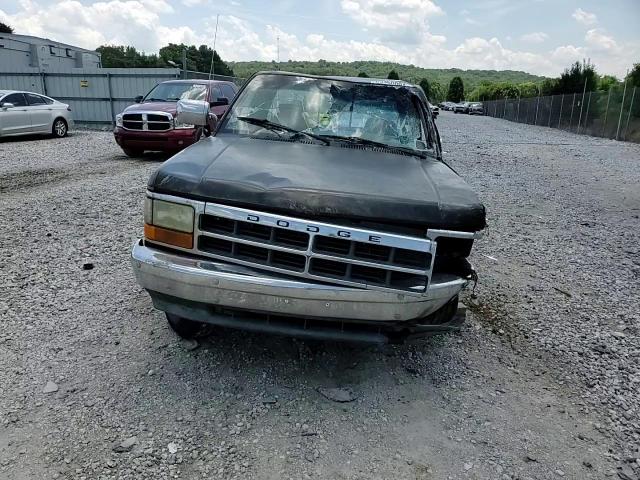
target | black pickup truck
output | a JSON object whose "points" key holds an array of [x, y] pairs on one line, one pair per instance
{"points": [[315, 207]]}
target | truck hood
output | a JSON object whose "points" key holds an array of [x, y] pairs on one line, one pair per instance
{"points": [[168, 107], [318, 181]]}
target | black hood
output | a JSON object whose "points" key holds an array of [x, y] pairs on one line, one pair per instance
{"points": [[318, 181]]}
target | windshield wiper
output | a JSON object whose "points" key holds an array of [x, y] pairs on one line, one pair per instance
{"points": [[268, 124], [154, 100], [373, 143]]}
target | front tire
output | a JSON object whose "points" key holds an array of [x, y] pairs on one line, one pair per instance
{"points": [[132, 152], [59, 128], [184, 327]]}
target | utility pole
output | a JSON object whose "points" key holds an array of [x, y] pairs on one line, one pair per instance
{"points": [[278, 50], [184, 63]]}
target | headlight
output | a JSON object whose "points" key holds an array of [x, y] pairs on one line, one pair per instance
{"points": [[183, 125], [119, 120], [172, 215], [168, 222]]}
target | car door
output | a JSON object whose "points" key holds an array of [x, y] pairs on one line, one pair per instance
{"points": [[14, 120], [40, 113]]}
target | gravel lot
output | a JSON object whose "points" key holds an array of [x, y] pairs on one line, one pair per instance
{"points": [[542, 383]]}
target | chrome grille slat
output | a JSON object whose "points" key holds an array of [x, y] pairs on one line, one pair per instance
{"points": [[312, 254], [254, 243], [363, 263], [148, 121], [288, 245]]}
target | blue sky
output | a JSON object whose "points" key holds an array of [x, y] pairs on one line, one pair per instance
{"points": [[538, 36]]}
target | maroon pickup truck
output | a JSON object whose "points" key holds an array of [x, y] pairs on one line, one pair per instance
{"points": [[150, 123]]}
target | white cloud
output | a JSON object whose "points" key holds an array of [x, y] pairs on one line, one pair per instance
{"points": [[585, 18], [396, 21], [390, 14], [598, 41], [534, 37], [479, 52], [133, 22], [144, 24]]}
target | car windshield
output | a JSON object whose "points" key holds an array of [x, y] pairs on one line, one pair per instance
{"points": [[172, 92], [328, 108]]}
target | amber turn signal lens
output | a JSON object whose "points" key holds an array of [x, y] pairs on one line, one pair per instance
{"points": [[170, 237]]}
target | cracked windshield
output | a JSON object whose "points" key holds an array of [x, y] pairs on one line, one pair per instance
{"points": [[375, 112]]}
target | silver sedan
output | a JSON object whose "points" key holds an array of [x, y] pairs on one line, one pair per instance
{"points": [[27, 113]]}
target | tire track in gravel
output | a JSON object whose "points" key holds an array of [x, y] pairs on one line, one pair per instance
{"points": [[19, 182]]}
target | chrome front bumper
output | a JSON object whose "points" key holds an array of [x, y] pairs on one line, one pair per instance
{"points": [[220, 284]]}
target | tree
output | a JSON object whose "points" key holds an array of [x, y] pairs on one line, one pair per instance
{"points": [[363, 75], [456, 90], [573, 79], [607, 82], [393, 75], [4, 28], [437, 92], [120, 56], [426, 88], [549, 86], [528, 89], [198, 59], [634, 75]]}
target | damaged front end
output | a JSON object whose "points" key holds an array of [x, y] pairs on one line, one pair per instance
{"points": [[259, 271]]}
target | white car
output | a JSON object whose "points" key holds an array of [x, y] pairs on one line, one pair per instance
{"points": [[27, 113]]}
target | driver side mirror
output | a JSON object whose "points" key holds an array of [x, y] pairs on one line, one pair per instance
{"points": [[138, 99], [220, 101], [5, 105], [196, 112]]}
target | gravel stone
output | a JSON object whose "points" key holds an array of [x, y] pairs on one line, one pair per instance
{"points": [[126, 445], [341, 395], [50, 387], [563, 215]]}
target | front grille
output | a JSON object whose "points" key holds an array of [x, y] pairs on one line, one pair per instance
{"points": [[316, 250], [156, 122]]}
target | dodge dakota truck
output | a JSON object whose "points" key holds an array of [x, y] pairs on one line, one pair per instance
{"points": [[315, 207]]}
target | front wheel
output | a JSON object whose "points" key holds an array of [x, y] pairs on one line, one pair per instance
{"points": [[132, 152], [59, 128], [184, 327]]}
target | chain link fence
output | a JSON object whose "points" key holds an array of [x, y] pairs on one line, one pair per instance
{"points": [[614, 114]]}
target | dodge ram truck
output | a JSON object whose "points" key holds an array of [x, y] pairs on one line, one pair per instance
{"points": [[150, 123], [315, 207]]}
